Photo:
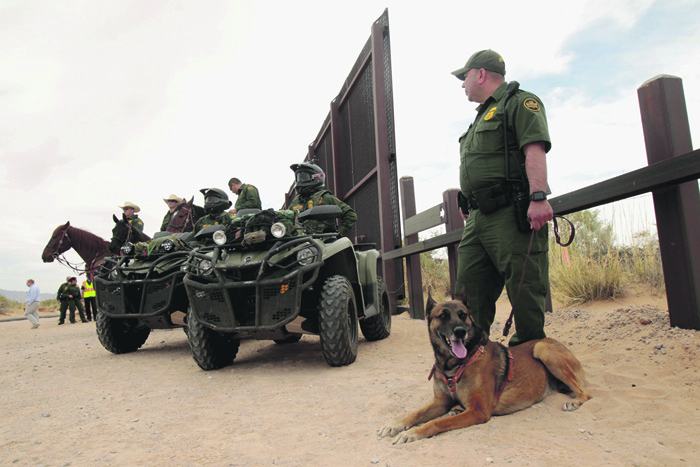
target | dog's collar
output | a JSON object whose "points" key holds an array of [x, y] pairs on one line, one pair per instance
{"points": [[451, 382]]}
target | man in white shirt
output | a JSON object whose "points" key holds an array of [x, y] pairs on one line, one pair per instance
{"points": [[31, 311]]}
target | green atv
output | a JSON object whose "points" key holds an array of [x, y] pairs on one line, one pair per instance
{"points": [[142, 290], [266, 276]]}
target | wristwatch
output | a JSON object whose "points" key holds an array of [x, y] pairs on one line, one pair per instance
{"points": [[538, 196]]}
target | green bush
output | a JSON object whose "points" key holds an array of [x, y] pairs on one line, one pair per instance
{"points": [[7, 305], [597, 268]]}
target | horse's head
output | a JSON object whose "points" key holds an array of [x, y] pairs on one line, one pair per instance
{"points": [[124, 232], [120, 234], [59, 243], [183, 220]]}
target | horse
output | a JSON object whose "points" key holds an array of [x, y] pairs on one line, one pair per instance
{"points": [[124, 232], [184, 219], [91, 248]]}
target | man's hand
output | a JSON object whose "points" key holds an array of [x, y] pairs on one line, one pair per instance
{"points": [[539, 213]]}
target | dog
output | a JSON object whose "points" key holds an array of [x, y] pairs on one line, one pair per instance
{"points": [[480, 378]]}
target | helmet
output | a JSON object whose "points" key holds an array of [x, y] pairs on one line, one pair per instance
{"points": [[309, 177], [215, 200]]}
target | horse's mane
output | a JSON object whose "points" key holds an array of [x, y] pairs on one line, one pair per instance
{"points": [[89, 239]]}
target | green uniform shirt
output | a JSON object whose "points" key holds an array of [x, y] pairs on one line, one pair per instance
{"points": [[135, 222], [61, 288], [347, 219], [482, 161], [223, 218], [71, 289], [248, 198]]}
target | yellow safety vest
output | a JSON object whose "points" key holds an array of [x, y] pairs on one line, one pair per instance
{"points": [[88, 289]]}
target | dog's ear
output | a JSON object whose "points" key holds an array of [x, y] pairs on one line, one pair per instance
{"points": [[430, 304]]}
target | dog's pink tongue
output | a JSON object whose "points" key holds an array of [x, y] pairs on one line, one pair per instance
{"points": [[458, 348]]}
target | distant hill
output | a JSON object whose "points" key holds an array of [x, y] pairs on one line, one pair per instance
{"points": [[20, 296]]}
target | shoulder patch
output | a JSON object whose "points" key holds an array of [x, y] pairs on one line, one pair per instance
{"points": [[250, 187], [532, 104], [489, 114]]}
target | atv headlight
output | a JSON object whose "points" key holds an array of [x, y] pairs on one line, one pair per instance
{"points": [[204, 267], [168, 245], [219, 237], [278, 230], [127, 248], [305, 256]]}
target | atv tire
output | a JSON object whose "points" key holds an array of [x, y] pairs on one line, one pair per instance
{"points": [[210, 349], [120, 335], [338, 322], [378, 327]]}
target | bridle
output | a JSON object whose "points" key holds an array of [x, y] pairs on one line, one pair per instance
{"points": [[181, 228], [61, 258]]}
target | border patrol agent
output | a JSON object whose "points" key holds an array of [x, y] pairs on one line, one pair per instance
{"points": [[70, 299], [130, 210], [247, 196], [310, 183], [502, 210], [215, 203], [174, 203]]}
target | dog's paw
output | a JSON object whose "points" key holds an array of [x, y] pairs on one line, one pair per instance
{"points": [[391, 430], [407, 437], [570, 406]]}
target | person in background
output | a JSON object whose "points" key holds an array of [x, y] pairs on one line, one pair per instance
{"points": [[31, 310], [88, 290], [174, 203], [215, 203], [70, 299], [247, 196], [130, 210], [311, 191]]}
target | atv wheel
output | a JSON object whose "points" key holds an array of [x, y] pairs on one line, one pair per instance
{"points": [[338, 322], [210, 349], [120, 335], [378, 327]]}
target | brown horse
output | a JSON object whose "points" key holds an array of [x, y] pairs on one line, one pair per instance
{"points": [[124, 232], [184, 219], [91, 248]]}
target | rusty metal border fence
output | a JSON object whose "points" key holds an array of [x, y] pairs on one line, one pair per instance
{"points": [[671, 177], [356, 148]]}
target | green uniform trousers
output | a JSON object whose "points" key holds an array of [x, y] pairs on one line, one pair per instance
{"points": [[71, 304], [492, 254]]}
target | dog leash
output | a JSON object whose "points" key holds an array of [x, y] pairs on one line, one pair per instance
{"points": [[557, 237]]}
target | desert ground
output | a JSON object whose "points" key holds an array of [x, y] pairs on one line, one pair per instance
{"points": [[66, 401]]}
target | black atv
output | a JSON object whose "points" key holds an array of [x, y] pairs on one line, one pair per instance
{"points": [[266, 276], [142, 290]]}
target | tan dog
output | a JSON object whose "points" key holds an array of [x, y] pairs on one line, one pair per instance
{"points": [[484, 377]]}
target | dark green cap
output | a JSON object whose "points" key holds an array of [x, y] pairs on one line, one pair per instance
{"points": [[486, 59]]}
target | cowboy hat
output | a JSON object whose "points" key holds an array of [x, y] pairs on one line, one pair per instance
{"points": [[131, 205], [174, 198]]}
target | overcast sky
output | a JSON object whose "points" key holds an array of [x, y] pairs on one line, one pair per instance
{"points": [[107, 102]]}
